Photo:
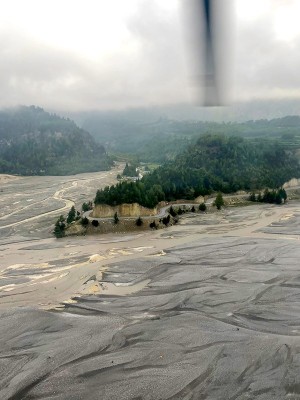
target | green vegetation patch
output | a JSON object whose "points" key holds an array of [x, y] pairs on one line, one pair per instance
{"points": [[216, 163]]}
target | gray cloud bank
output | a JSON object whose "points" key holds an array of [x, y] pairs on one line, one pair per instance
{"points": [[265, 66], [153, 73]]}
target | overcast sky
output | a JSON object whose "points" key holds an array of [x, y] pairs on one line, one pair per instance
{"points": [[73, 55]]}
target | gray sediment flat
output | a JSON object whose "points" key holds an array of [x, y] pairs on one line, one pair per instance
{"points": [[221, 322], [213, 312]]}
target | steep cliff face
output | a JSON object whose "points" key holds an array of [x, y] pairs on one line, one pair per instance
{"points": [[123, 210]]}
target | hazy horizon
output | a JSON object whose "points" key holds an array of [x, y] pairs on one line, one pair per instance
{"points": [[241, 112]]}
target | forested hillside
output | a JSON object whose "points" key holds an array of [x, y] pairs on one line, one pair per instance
{"points": [[34, 142], [214, 163], [145, 138], [148, 137], [159, 139]]}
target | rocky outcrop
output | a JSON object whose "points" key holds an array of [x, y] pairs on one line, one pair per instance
{"points": [[199, 200], [75, 229], [292, 183], [123, 210]]}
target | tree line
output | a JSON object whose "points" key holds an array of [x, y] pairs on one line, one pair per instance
{"points": [[216, 163], [278, 196]]}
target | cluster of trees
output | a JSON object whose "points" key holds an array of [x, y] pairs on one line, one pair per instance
{"points": [[154, 225], [34, 142], [130, 192], [215, 163], [73, 215], [228, 164], [87, 206], [277, 196], [130, 170], [175, 211], [62, 222]]}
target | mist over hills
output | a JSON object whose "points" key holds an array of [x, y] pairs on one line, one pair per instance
{"points": [[235, 112], [35, 142], [157, 135]]}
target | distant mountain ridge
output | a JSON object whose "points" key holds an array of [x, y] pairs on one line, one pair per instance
{"points": [[156, 138], [35, 142]]}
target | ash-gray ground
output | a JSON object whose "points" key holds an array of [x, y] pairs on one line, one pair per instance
{"points": [[213, 311]]}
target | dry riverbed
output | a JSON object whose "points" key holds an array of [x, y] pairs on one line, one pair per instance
{"points": [[206, 309]]}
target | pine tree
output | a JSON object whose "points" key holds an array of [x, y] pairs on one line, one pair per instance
{"points": [[72, 215], [116, 218], [219, 202], [59, 229]]}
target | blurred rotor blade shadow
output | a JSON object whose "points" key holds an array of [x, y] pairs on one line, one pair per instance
{"points": [[207, 25]]}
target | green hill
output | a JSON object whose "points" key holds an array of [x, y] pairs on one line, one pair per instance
{"points": [[213, 163], [228, 163], [34, 142]]}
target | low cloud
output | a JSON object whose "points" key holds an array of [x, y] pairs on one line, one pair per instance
{"points": [[150, 69], [266, 66]]}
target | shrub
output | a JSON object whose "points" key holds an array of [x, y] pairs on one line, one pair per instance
{"points": [[202, 207], [84, 221], [172, 212], [139, 221], [252, 197], [153, 225], [166, 220], [87, 206], [116, 218]]}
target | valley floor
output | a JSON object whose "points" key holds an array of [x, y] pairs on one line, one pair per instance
{"points": [[209, 308]]}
